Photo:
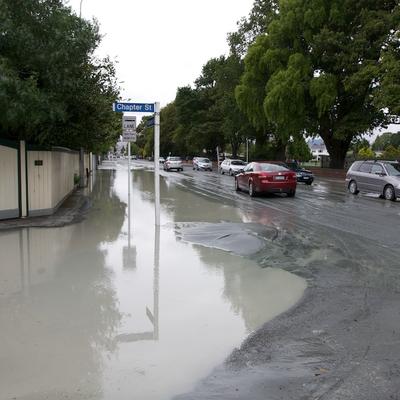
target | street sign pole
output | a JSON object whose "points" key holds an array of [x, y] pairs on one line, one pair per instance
{"points": [[157, 161], [129, 194]]}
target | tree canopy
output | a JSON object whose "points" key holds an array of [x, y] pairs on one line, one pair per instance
{"points": [[53, 90], [386, 139], [317, 69]]}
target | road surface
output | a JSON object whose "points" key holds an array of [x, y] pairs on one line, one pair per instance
{"points": [[231, 298]]}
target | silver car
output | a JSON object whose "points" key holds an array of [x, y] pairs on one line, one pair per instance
{"points": [[382, 177], [232, 167], [202, 163], [173, 163]]}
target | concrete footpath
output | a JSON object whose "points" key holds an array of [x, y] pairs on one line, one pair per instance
{"points": [[71, 211]]}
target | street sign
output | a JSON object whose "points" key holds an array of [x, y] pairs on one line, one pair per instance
{"points": [[128, 129], [129, 136], [133, 107], [150, 122], [128, 123]]}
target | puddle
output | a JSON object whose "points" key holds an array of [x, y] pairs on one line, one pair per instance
{"points": [[113, 308]]}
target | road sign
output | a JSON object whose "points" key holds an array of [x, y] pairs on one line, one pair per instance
{"points": [[128, 129], [129, 136], [150, 122], [133, 107], [128, 123]]}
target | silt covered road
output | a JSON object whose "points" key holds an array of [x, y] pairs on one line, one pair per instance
{"points": [[232, 297]]}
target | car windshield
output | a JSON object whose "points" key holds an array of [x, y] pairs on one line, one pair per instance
{"points": [[393, 169], [237, 162], [272, 168], [204, 160], [174, 159]]}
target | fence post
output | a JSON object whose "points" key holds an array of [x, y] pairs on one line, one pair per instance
{"points": [[23, 179]]}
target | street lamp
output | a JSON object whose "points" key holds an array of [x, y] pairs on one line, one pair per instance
{"points": [[80, 9], [247, 150]]}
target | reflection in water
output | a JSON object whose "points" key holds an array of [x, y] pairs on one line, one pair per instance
{"points": [[57, 305], [82, 317]]}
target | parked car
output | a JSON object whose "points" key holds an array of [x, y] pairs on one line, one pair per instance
{"points": [[232, 167], [382, 177], [266, 178], [173, 163], [161, 160], [202, 163]]}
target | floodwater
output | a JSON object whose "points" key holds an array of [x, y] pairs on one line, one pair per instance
{"points": [[114, 308]]}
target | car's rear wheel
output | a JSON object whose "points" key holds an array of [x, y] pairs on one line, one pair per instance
{"points": [[237, 188], [388, 193], [292, 193], [252, 192], [353, 189]]}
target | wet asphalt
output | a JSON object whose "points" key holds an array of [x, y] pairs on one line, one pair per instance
{"points": [[341, 341], [232, 298]]}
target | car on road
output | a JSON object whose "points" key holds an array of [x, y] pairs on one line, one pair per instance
{"points": [[266, 178], [232, 167], [173, 163], [302, 175], [202, 163], [161, 160], [382, 177]]}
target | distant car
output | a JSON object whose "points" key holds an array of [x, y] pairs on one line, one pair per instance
{"points": [[202, 163], [232, 167], [266, 178], [161, 160], [303, 175], [382, 177], [173, 163]]}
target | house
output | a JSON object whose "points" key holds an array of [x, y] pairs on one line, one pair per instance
{"points": [[317, 148]]}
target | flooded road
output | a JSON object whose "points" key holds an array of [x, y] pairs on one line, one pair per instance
{"points": [[115, 308]]}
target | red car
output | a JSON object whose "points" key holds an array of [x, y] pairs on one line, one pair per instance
{"points": [[266, 178]]}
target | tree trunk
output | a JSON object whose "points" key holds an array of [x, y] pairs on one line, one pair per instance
{"points": [[337, 149], [235, 148], [280, 152]]}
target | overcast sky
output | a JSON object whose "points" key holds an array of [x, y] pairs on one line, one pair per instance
{"points": [[161, 45]]}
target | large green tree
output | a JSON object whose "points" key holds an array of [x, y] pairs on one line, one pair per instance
{"points": [[252, 26], [53, 91], [315, 70]]}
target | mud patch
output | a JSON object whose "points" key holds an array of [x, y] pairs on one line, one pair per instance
{"points": [[240, 239]]}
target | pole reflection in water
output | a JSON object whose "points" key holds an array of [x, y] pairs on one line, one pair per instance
{"points": [[153, 316], [129, 252]]}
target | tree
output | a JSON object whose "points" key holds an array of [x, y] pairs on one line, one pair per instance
{"points": [[53, 91], [316, 69], [386, 139], [388, 89], [366, 153], [261, 14], [298, 149], [357, 144], [391, 153]]}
